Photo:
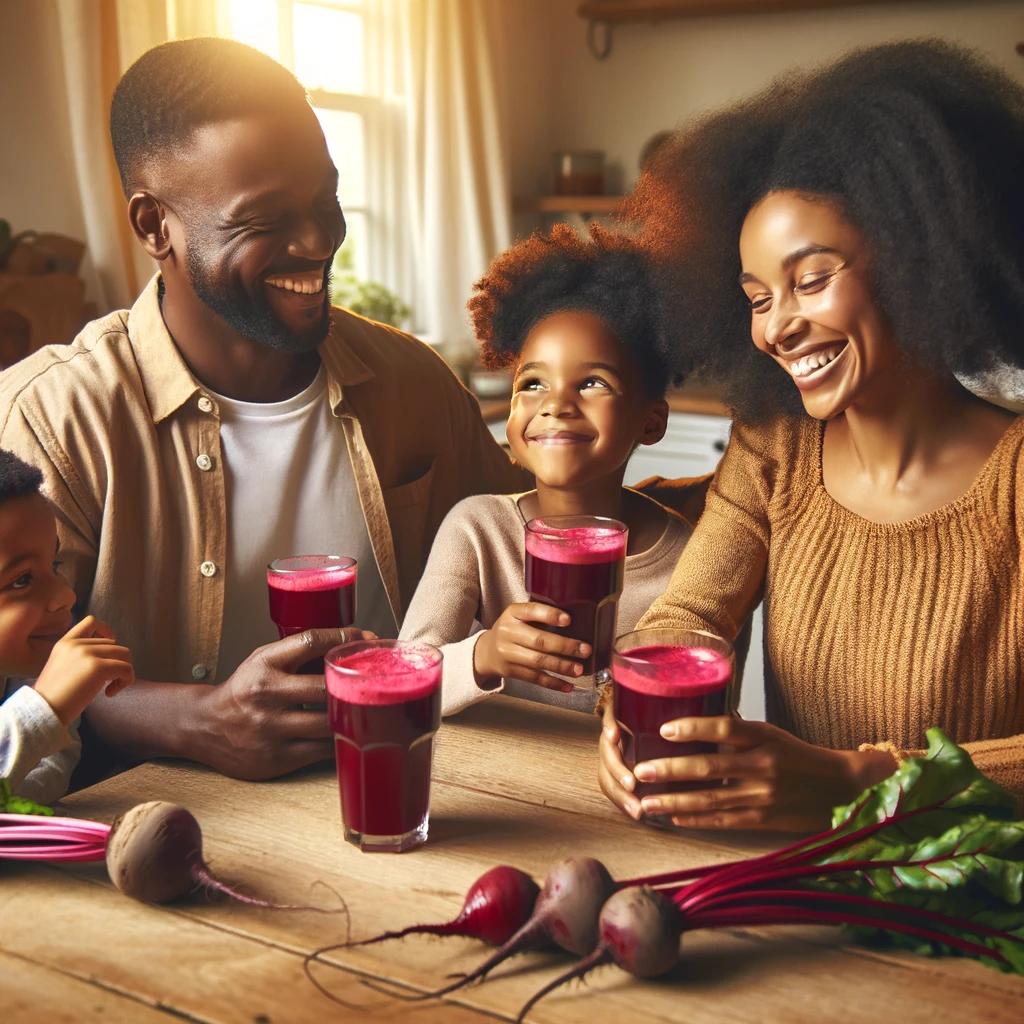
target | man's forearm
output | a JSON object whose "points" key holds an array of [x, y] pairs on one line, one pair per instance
{"points": [[149, 720]]}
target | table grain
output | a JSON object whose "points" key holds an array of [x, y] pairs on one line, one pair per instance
{"points": [[513, 783]]}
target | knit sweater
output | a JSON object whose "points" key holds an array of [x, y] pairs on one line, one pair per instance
{"points": [[476, 570], [874, 632]]}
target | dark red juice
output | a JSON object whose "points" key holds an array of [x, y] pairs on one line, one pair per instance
{"points": [[384, 706], [579, 570], [312, 592], [654, 685]]}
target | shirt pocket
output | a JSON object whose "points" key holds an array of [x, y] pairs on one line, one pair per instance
{"points": [[407, 506]]}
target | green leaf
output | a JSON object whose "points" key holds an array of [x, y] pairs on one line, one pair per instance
{"points": [[924, 797], [11, 804]]}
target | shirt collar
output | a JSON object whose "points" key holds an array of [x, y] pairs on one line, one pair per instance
{"points": [[168, 382]]}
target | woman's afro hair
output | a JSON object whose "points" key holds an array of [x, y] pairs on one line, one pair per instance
{"points": [[921, 146], [606, 274]]}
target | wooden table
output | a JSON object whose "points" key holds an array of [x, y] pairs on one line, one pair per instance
{"points": [[514, 783]]}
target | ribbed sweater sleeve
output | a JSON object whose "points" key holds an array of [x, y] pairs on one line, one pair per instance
{"points": [[719, 578]]}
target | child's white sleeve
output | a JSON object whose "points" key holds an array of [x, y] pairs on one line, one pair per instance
{"points": [[37, 753]]}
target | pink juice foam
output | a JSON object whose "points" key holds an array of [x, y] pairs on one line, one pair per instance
{"points": [[303, 581], [384, 675], [579, 545], [654, 685]]}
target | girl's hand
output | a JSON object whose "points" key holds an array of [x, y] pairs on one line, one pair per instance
{"points": [[616, 780], [514, 648], [773, 780], [84, 661]]}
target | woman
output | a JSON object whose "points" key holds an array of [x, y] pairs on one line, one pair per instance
{"points": [[865, 227]]}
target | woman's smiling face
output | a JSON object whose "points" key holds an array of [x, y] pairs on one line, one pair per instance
{"points": [[578, 403], [806, 272]]}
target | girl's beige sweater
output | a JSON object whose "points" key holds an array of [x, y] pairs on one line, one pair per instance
{"points": [[475, 571], [873, 632]]}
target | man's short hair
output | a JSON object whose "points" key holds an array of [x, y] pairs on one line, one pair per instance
{"points": [[17, 478], [177, 87]]}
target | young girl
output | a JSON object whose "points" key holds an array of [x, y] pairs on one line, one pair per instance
{"points": [[575, 318], [39, 747]]}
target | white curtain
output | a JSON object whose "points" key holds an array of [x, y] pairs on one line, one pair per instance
{"points": [[455, 155]]}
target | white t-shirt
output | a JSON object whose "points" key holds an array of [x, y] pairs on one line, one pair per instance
{"points": [[290, 491]]}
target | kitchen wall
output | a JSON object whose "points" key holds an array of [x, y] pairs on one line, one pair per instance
{"points": [[559, 96]]}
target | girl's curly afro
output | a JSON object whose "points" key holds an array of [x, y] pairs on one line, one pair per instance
{"points": [[921, 145], [605, 274]]}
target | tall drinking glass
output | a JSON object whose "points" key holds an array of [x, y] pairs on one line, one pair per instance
{"points": [[384, 706], [662, 674], [577, 563], [312, 592]]}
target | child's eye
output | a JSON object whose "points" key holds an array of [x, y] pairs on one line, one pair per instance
{"points": [[23, 581], [592, 382], [57, 565], [814, 284], [529, 384]]}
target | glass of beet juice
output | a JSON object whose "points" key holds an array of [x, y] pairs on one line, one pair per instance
{"points": [[312, 592], [384, 706], [662, 674], [577, 564]]}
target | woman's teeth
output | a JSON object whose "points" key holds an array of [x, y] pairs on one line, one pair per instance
{"points": [[808, 364], [304, 285]]}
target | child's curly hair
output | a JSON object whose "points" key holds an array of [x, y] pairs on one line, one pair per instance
{"points": [[606, 274]]}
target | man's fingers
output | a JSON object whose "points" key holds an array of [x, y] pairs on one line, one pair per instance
{"points": [[300, 753], [753, 764], [528, 675], [611, 760], [303, 725], [294, 651]]}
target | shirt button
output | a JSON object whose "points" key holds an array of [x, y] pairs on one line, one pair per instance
{"points": [[208, 569], [204, 462], [198, 671], [205, 405]]}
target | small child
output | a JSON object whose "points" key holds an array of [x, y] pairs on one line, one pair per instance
{"points": [[576, 318], [39, 745]]}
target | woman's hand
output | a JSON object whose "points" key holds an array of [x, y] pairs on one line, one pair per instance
{"points": [[616, 780], [84, 661], [772, 779], [512, 647]]}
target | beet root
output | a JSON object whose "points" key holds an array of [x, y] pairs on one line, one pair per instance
{"points": [[639, 931], [155, 855]]}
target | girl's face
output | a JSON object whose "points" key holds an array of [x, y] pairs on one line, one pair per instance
{"points": [[806, 274], [578, 403]]}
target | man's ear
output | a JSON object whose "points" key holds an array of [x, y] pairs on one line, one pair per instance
{"points": [[148, 218], [655, 424]]}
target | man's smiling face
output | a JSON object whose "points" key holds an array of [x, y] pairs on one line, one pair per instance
{"points": [[252, 210]]}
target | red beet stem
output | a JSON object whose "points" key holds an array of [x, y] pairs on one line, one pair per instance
{"points": [[758, 897], [602, 955], [770, 914]]}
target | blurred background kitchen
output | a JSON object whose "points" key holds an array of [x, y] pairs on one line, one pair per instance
{"points": [[456, 126]]}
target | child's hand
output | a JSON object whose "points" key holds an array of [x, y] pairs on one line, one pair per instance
{"points": [[514, 648], [84, 661]]}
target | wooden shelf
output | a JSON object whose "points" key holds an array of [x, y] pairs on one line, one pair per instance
{"points": [[613, 11], [567, 204]]}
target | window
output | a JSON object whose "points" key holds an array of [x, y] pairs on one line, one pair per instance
{"points": [[330, 46]]}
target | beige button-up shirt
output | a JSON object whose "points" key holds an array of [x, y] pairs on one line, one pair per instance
{"points": [[129, 443]]}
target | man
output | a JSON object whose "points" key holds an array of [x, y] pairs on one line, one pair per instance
{"points": [[232, 416]]}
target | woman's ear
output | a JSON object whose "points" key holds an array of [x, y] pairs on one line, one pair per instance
{"points": [[655, 424], [148, 218]]}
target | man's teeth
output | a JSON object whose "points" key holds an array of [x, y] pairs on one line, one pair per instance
{"points": [[304, 285], [816, 360]]}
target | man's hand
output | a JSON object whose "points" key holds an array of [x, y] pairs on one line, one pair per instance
{"points": [[616, 780], [84, 661], [252, 726], [514, 648]]}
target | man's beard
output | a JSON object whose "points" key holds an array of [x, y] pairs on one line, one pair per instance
{"points": [[253, 317]]}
